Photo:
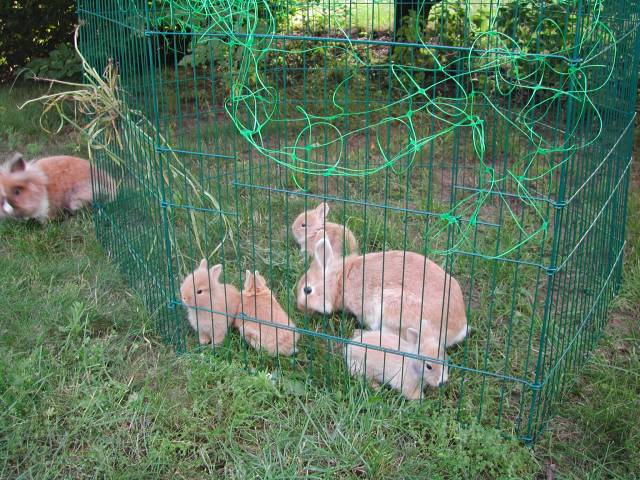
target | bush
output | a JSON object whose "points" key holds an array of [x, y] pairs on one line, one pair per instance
{"points": [[62, 63], [31, 29]]}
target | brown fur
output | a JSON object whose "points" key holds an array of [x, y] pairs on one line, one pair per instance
{"points": [[311, 226], [414, 289], [44, 188], [222, 299], [406, 374], [259, 302]]}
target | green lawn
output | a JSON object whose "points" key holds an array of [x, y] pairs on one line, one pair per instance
{"points": [[88, 389], [332, 15]]}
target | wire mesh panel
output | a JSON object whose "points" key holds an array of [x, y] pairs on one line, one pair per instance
{"points": [[423, 197]]}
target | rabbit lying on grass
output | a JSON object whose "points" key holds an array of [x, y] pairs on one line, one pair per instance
{"points": [[383, 289], [406, 374], [202, 291], [213, 306], [40, 190], [259, 302]]}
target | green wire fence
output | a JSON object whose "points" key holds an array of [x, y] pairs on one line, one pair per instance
{"points": [[489, 139]]}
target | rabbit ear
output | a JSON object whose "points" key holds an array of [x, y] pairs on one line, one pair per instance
{"points": [[203, 264], [322, 211], [254, 281], [249, 283], [261, 283], [214, 272], [17, 163], [413, 336], [323, 252]]}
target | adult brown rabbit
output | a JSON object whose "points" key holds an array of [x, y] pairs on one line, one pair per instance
{"points": [[41, 189], [393, 289]]}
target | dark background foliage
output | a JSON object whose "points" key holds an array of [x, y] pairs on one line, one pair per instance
{"points": [[31, 29]]}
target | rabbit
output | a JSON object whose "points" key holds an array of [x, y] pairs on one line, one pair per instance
{"points": [[355, 284], [202, 291], [402, 309], [307, 227], [406, 374], [39, 190], [258, 302]]}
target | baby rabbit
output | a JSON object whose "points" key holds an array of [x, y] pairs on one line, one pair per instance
{"points": [[406, 374], [309, 224], [259, 303], [202, 291], [43, 188], [355, 284]]}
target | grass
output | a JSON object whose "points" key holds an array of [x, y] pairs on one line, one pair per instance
{"points": [[21, 129], [260, 228], [326, 15], [595, 426], [88, 389], [506, 299]]}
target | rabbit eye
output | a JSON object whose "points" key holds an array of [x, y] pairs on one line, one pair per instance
{"points": [[199, 292], [307, 290], [429, 367], [303, 225], [17, 191]]}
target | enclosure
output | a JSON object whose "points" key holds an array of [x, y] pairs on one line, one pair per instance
{"points": [[492, 137]]}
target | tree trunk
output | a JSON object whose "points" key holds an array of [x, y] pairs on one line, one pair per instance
{"points": [[403, 7]]}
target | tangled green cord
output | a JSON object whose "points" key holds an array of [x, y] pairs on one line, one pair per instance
{"points": [[253, 104]]}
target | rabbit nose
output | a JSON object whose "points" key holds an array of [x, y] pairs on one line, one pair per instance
{"points": [[307, 290]]}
